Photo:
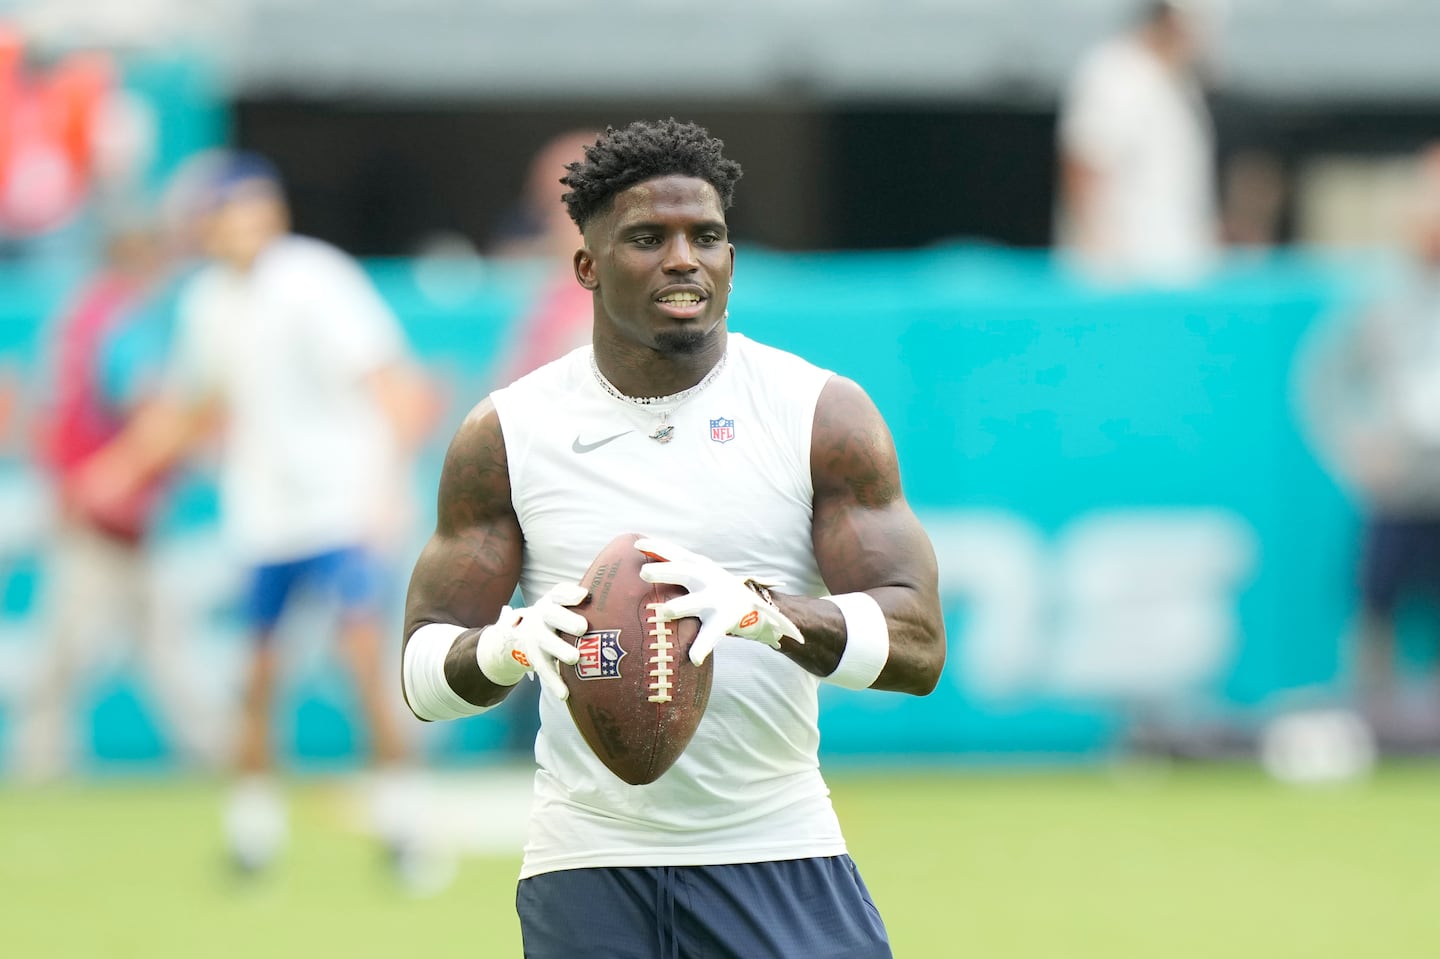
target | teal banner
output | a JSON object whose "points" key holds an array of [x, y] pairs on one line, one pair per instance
{"points": [[1130, 526]]}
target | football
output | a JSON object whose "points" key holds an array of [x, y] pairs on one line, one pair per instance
{"points": [[635, 696]]}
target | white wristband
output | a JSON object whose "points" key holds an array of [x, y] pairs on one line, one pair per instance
{"points": [[423, 674], [867, 641]]}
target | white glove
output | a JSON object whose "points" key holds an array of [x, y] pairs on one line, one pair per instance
{"points": [[725, 604], [523, 642]]}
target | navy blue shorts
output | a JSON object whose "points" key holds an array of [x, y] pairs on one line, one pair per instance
{"points": [[350, 575], [761, 910], [1402, 555]]}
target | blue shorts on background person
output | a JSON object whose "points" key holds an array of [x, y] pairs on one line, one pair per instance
{"points": [[350, 576]]}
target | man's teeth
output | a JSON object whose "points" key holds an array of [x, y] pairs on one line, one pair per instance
{"points": [[681, 299]]}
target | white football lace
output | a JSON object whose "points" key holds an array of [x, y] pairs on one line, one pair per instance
{"points": [[660, 658]]}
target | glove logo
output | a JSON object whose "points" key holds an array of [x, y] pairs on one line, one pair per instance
{"points": [[748, 620], [722, 430], [600, 655], [520, 658]]}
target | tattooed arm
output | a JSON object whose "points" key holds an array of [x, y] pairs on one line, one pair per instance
{"points": [[469, 569], [867, 540]]}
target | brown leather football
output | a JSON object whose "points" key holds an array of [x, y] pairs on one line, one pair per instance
{"points": [[635, 696]]}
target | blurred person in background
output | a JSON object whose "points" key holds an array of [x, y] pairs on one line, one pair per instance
{"points": [[283, 341], [558, 318], [1256, 188], [556, 321], [104, 353], [535, 226], [1137, 155], [1370, 389], [12, 392], [71, 135], [736, 850]]}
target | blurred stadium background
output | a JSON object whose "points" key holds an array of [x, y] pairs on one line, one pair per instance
{"points": [[1148, 573]]}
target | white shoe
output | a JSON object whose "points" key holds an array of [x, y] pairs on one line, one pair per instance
{"points": [[256, 823]]}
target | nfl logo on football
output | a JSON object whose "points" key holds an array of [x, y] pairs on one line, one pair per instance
{"points": [[722, 430], [600, 655]]}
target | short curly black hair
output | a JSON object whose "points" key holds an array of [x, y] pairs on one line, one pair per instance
{"points": [[619, 159]]}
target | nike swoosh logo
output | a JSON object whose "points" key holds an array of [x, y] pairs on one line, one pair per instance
{"points": [[580, 447]]}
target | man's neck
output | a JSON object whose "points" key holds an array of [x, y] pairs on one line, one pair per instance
{"points": [[1164, 49], [246, 264], [639, 372]]}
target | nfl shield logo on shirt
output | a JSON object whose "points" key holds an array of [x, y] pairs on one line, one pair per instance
{"points": [[600, 655], [722, 430]]}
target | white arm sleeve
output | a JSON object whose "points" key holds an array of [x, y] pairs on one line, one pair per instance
{"points": [[867, 641], [422, 673]]}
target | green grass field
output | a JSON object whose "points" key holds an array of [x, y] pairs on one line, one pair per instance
{"points": [[1195, 861]]}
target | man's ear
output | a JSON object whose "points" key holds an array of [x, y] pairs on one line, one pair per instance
{"points": [[585, 269]]}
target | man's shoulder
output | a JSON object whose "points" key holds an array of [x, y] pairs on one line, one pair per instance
{"points": [[1121, 52], [304, 254], [205, 283], [1111, 66], [772, 360]]}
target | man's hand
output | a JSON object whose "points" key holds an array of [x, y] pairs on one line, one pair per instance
{"points": [[524, 642], [725, 604], [103, 485]]}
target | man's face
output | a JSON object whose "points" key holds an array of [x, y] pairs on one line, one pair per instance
{"points": [[1183, 36], [661, 262], [249, 218]]}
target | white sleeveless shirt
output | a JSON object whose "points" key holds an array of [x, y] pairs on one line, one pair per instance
{"points": [[733, 484]]}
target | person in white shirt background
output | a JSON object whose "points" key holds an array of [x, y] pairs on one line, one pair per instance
{"points": [[1137, 154], [284, 342], [1369, 389]]}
